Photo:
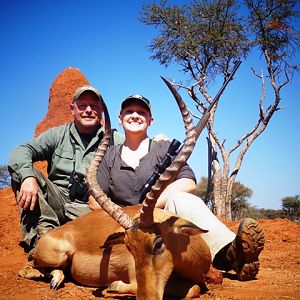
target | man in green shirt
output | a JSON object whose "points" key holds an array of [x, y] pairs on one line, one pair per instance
{"points": [[47, 202]]}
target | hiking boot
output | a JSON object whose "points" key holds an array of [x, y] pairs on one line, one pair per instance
{"points": [[243, 252]]}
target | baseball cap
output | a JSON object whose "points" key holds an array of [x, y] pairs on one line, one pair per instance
{"points": [[86, 88], [136, 97]]}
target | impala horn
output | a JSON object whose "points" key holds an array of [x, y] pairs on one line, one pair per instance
{"points": [[95, 190], [146, 214]]}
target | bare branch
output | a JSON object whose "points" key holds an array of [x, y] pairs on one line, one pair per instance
{"points": [[245, 136]]}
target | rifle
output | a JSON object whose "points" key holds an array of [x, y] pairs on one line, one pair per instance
{"points": [[175, 144]]}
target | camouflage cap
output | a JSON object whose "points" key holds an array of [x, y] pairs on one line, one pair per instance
{"points": [[86, 88]]}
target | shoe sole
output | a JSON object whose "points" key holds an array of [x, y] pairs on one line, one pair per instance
{"points": [[250, 242]]}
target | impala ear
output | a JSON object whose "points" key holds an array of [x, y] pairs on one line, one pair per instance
{"points": [[180, 225], [114, 239], [187, 227], [192, 230]]}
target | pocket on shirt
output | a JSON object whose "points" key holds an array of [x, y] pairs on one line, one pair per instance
{"points": [[62, 153], [63, 160]]}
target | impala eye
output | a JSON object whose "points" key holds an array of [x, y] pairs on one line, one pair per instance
{"points": [[158, 246]]}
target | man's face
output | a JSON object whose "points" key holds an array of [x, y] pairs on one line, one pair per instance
{"points": [[87, 111]]}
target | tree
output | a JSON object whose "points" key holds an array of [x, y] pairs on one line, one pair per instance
{"points": [[239, 203], [270, 213], [291, 207], [4, 177], [240, 194], [206, 38], [201, 191]]}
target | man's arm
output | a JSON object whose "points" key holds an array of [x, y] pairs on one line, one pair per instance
{"points": [[23, 156], [21, 169]]}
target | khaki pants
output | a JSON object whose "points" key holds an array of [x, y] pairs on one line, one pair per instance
{"points": [[193, 209], [54, 209]]}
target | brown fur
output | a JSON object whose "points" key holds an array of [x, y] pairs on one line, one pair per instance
{"points": [[92, 247]]}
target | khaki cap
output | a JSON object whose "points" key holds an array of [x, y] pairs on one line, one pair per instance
{"points": [[86, 88]]}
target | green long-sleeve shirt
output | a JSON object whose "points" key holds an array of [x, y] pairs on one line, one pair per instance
{"points": [[55, 146]]}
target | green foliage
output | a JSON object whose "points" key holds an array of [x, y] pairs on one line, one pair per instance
{"points": [[242, 208], [201, 188], [200, 36], [262, 213], [291, 207], [240, 195], [239, 201], [206, 37], [4, 177], [271, 23], [202, 192], [255, 213]]}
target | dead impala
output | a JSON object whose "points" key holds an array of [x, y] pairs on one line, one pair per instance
{"points": [[150, 253]]}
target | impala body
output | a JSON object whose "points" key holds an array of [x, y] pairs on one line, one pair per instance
{"points": [[92, 249]]}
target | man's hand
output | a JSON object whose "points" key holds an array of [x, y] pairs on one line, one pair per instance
{"points": [[160, 137], [28, 193]]}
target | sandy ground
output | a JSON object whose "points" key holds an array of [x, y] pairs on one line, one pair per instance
{"points": [[279, 276]]}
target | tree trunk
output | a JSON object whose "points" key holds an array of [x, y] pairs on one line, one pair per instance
{"points": [[228, 200], [217, 180], [222, 187]]}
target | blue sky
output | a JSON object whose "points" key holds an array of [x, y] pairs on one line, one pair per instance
{"points": [[105, 40]]}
